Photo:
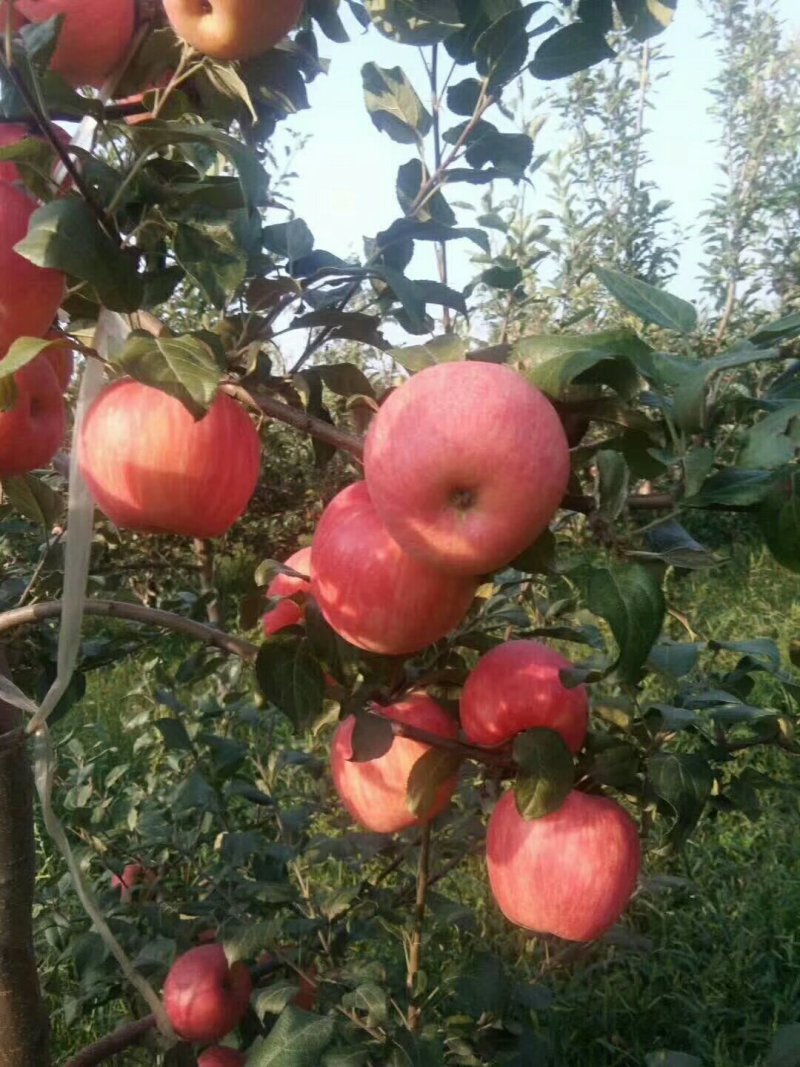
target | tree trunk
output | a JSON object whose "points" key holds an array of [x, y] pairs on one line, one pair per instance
{"points": [[24, 1027]]}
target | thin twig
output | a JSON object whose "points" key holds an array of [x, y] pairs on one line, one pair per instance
{"points": [[127, 1036], [415, 949], [114, 609]]}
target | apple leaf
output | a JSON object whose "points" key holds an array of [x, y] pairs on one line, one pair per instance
{"points": [[184, 367], [683, 780], [614, 479], [372, 737], [393, 104], [65, 235], [546, 772], [539, 558], [432, 770], [22, 352], [647, 302], [34, 499], [410, 22], [631, 600], [291, 679], [297, 1039]]}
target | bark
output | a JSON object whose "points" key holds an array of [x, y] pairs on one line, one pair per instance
{"points": [[24, 1026]]}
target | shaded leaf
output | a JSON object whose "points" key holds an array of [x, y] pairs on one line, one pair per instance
{"points": [[34, 499], [568, 50], [291, 679], [546, 772], [431, 770], [631, 601], [184, 367], [393, 104], [684, 782]]}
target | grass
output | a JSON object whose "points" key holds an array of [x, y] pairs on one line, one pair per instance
{"points": [[710, 964]]}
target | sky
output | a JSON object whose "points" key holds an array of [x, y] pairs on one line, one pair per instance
{"points": [[347, 169]]}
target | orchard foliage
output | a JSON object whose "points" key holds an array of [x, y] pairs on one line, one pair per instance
{"points": [[174, 218]]}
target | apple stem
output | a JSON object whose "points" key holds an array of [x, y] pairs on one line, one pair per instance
{"points": [[415, 948], [493, 757]]}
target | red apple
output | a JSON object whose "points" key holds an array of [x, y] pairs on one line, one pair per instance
{"points": [[29, 295], [570, 873], [288, 612], [517, 686], [132, 875], [152, 467], [221, 1057], [375, 792], [205, 997], [466, 464], [32, 431], [373, 593], [233, 29], [94, 38]]}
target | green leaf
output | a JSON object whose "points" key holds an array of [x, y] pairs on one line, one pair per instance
{"points": [[184, 367], [675, 658], [785, 1048], [34, 499], [462, 98], [733, 488], [539, 558], [501, 50], [292, 239], [66, 236], [420, 23], [344, 379], [410, 178], [297, 1039], [174, 733], [502, 276], [684, 782], [196, 794], [291, 679], [556, 361], [645, 19], [647, 302], [373, 736], [249, 168], [22, 352], [546, 772], [217, 271], [779, 520], [773, 441], [408, 295], [370, 998], [393, 104], [431, 770], [631, 601], [783, 329], [614, 483], [615, 765], [569, 50], [443, 349], [416, 230]]}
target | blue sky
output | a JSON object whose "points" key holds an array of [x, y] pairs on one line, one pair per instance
{"points": [[347, 170]]}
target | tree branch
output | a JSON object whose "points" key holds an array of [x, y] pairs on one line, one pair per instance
{"points": [[115, 609], [300, 420], [127, 1036]]}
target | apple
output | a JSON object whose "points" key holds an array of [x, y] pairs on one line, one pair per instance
{"points": [[221, 1057], [371, 592], [375, 791], [517, 686], [205, 997], [152, 467], [33, 429], [288, 612], [466, 465], [94, 39], [29, 295], [233, 29], [570, 873], [131, 876]]}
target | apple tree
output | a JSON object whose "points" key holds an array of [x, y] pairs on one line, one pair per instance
{"points": [[459, 658]]}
